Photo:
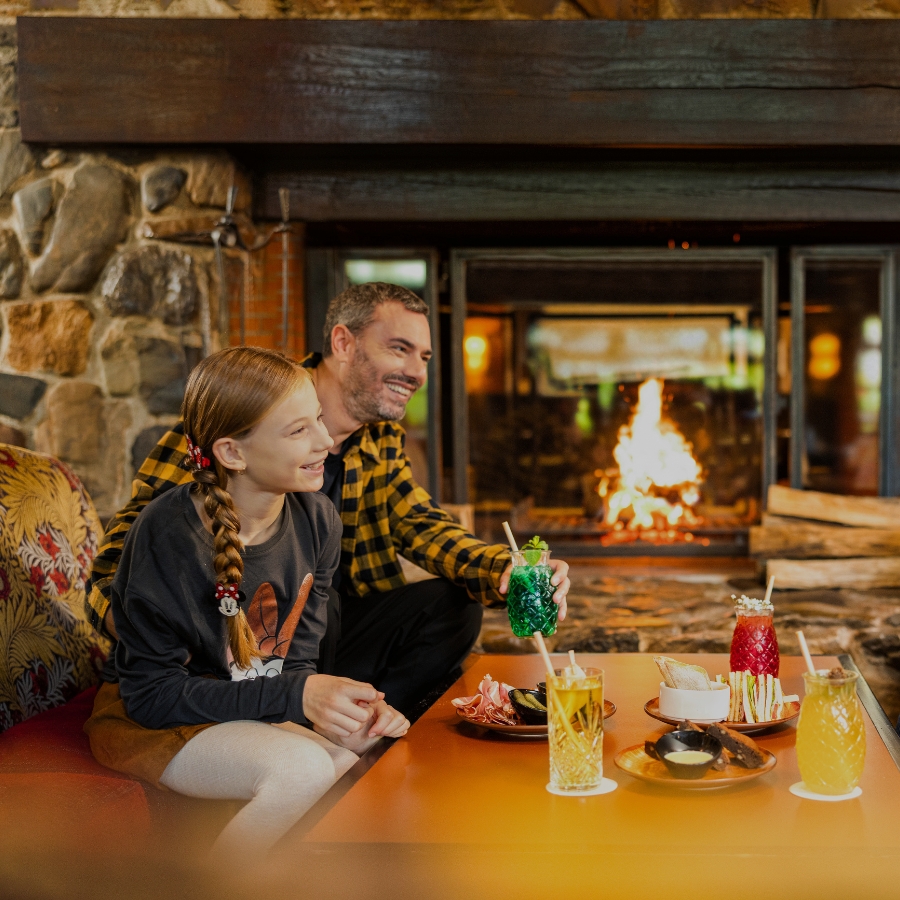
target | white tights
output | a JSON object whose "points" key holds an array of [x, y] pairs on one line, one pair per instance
{"points": [[281, 769]]}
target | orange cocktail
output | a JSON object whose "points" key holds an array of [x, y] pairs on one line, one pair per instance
{"points": [[831, 737]]}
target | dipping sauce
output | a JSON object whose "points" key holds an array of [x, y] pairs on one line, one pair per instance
{"points": [[689, 757]]}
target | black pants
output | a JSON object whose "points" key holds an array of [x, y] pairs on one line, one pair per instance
{"points": [[403, 642]]}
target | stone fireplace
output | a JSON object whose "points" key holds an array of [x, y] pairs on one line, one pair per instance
{"points": [[391, 150]]}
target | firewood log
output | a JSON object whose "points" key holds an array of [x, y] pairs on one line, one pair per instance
{"points": [[809, 574], [864, 512], [806, 541]]}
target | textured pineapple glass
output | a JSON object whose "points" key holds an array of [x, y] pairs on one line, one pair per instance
{"points": [[831, 737], [529, 599], [575, 717]]}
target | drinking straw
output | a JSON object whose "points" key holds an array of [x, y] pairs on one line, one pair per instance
{"points": [[769, 589], [806, 656], [574, 663], [542, 649], [509, 536], [576, 739]]}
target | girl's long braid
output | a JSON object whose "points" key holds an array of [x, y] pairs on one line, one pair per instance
{"points": [[228, 564]]}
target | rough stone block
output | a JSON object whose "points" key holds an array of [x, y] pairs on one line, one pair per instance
{"points": [[161, 185], [19, 395], [31, 205], [49, 335], [858, 9], [89, 433], [10, 435], [151, 281], [144, 443], [54, 158], [620, 9], [11, 266], [108, 483], [163, 368], [598, 640], [73, 429], [90, 221], [533, 9], [736, 9], [15, 158], [120, 365], [210, 177]]}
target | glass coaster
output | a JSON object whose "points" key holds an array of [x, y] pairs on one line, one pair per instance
{"points": [[606, 786], [800, 790]]}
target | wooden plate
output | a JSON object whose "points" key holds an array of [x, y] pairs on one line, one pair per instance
{"points": [[635, 761], [528, 731], [651, 707]]}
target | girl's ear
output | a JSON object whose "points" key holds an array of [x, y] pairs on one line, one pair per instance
{"points": [[228, 452]]}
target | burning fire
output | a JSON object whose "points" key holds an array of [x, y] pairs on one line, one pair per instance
{"points": [[658, 478]]}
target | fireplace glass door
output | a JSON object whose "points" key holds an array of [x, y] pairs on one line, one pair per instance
{"points": [[615, 399], [840, 423]]}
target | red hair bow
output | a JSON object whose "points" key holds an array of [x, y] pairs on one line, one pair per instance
{"points": [[196, 455], [228, 597]]}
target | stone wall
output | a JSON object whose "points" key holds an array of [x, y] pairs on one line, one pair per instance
{"points": [[100, 322]]}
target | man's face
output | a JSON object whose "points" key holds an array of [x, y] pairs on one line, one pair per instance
{"points": [[389, 364]]}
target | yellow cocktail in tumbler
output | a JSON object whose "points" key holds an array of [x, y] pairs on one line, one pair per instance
{"points": [[831, 738], [575, 716]]}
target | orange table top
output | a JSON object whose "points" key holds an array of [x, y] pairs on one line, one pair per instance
{"points": [[468, 800]]}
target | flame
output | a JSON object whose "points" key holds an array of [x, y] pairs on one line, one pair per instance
{"points": [[656, 465]]}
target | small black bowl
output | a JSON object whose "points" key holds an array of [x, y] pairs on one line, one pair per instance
{"points": [[531, 716], [688, 740]]}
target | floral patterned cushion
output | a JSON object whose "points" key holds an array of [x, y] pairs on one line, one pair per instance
{"points": [[48, 536]]}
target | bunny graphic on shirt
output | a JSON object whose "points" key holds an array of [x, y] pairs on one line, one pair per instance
{"points": [[273, 642]]}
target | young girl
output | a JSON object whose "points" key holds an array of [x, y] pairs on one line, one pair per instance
{"points": [[220, 603]]}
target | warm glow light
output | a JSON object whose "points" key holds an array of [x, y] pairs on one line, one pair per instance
{"points": [[656, 465], [476, 350], [824, 356]]}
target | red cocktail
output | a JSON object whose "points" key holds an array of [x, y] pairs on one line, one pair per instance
{"points": [[754, 646]]}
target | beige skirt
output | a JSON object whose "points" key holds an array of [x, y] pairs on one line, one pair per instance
{"points": [[119, 743]]}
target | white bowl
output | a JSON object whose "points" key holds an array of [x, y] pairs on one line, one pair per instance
{"points": [[699, 706]]}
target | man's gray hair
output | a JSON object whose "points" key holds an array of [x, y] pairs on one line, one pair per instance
{"points": [[355, 307]]}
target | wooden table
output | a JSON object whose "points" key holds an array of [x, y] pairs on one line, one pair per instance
{"points": [[455, 811]]}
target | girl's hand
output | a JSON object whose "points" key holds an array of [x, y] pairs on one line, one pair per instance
{"points": [[388, 721], [340, 707]]}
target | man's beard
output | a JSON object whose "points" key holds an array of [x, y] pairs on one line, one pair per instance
{"points": [[364, 392]]}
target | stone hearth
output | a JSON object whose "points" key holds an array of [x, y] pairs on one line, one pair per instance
{"points": [[652, 607]]}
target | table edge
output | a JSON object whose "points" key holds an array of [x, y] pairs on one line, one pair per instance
{"points": [[882, 723]]}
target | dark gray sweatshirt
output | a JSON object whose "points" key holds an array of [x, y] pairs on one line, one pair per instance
{"points": [[171, 658]]}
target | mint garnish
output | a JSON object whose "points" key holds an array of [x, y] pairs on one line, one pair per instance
{"points": [[533, 549]]}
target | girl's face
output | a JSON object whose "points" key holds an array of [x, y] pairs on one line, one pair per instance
{"points": [[286, 450]]}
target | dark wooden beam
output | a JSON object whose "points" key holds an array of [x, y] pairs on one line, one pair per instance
{"points": [[666, 83], [772, 192]]}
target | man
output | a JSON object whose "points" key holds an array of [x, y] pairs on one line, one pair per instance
{"points": [[403, 638]]}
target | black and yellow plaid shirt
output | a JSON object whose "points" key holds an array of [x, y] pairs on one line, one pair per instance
{"points": [[384, 513]]}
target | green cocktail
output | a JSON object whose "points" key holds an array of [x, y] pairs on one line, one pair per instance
{"points": [[530, 596]]}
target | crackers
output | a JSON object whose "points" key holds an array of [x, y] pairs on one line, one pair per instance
{"points": [[682, 676]]}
